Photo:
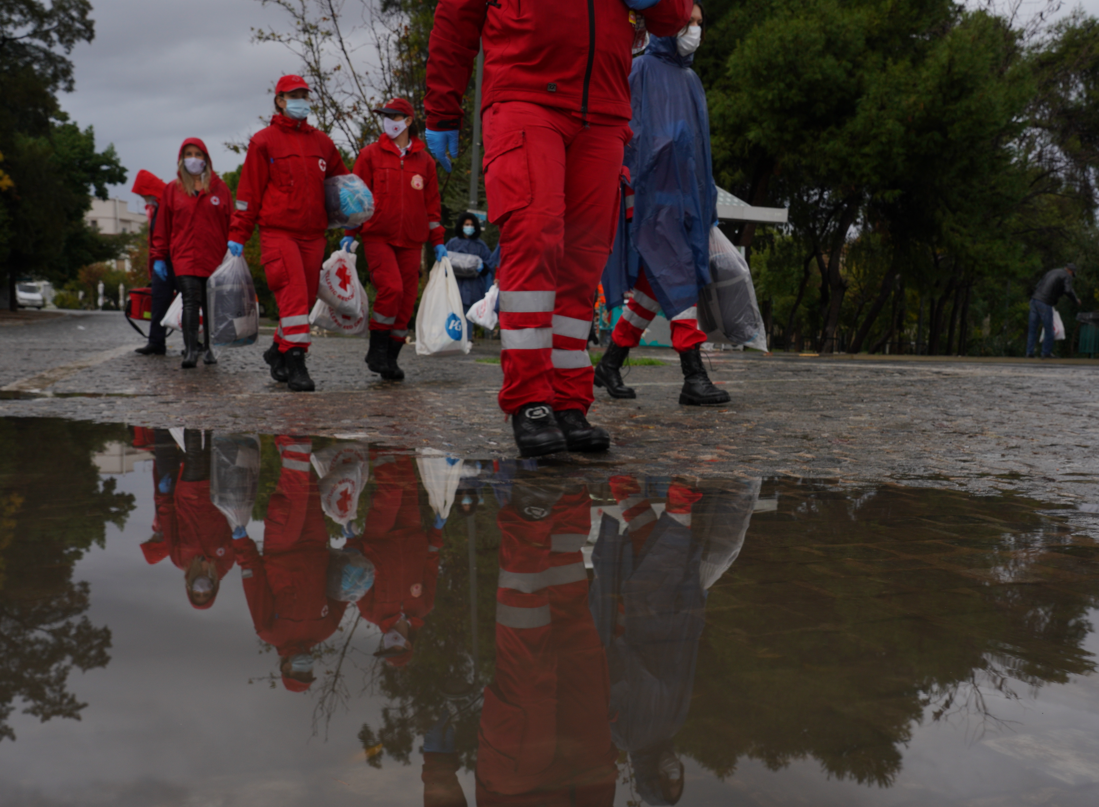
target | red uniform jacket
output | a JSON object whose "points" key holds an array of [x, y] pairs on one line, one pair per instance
{"points": [[282, 181], [406, 570], [191, 231], [192, 527], [407, 209], [570, 55]]}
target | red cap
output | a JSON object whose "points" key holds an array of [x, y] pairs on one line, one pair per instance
{"points": [[398, 106], [291, 83], [147, 184], [294, 685]]}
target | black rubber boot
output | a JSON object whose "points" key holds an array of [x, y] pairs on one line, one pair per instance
{"points": [[377, 356], [151, 350], [298, 379], [581, 435], [276, 360], [395, 373], [608, 372], [208, 356], [192, 302], [536, 431], [698, 390]]}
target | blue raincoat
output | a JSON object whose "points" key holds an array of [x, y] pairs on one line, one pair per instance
{"points": [[675, 198]]}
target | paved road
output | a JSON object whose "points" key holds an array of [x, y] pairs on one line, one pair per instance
{"points": [[1025, 426]]}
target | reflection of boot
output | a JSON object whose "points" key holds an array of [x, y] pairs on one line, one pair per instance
{"points": [[297, 379], [377, 356], [196, 457], [395, 373], [698, 390], [608, 375], [533, 499], [188, 287], [276, 359]]}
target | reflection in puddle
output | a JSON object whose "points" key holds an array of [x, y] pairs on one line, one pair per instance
{"points": [[327, 620]]}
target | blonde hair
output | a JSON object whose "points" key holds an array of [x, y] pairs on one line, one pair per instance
{"points": [[187, 182]]}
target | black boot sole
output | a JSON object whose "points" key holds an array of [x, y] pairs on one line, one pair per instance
{"points": [[552, 447], [310, 387], [687, 400], [590, 445]]}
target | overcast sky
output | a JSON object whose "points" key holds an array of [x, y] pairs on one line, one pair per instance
{"points": [[163, 70]]}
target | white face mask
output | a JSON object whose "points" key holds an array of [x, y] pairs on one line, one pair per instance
{"points": [[194, 165], [688, 40], [393, 128]]}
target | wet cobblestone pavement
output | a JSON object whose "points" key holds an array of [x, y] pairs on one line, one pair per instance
{"points": [[981, 426]]}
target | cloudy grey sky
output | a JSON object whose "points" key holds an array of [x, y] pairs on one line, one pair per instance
{"points": [[162, 70]]}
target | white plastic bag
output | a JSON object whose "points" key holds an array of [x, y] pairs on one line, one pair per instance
{"points": [[440, 475], [341, 469], [174, 317], [441, 327], [727, 307], [339, 283], [234, 476], [231, 305], [1058, 328], [483, 312]]}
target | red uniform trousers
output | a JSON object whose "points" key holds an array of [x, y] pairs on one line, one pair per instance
{"points": [[641, 310], [395, 273], [552, 183], [292, 264], [545, 736]]}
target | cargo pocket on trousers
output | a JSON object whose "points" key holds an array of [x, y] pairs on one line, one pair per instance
{"points": [[276, 274], [507, 176]]}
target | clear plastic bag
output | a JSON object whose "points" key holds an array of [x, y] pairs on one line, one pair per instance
{"points": [[339, 284], [234, 476], [465, 265], [348, 201], [232, 306], [483, 312], [441, 327], [728, 305]]}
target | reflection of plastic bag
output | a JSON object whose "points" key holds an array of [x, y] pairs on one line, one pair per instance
{"points": [[441, 327], [440, 476], [234, 476], [341, 469], [348, 201], [231, 305], [465, 265], [339, 284], [483, 312], [350, 575], [728, 305], [721, 520]]}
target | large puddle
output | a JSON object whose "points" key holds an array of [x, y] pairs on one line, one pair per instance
{"points": [[217, 619]]}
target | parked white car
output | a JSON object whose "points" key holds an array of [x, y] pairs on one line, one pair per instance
{"points": [[29, 295]]}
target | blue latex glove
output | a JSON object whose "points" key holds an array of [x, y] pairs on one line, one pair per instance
{"points": [[165, 485], [440, 738], [236, 249], [439, 143], [240, 532], [346, 242], [440, 253], [641, 5], [349, 531], [161, 269], [440, 522]]}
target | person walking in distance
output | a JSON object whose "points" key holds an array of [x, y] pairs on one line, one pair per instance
{"points": [[191, 229], [555, 112], [1054, 284], [402, 176], [663, 251], [282, 190]]}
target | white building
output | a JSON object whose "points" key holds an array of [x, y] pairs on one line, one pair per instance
{"points": [[114, 217]]}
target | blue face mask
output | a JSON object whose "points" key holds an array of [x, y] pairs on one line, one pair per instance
{"points": [[298, 108], [469, 230]]}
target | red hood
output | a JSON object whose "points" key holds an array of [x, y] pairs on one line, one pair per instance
{"points": [[155, 551], [148, 184], [194, 141]]}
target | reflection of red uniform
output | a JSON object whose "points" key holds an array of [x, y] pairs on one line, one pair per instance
{"points": [[286, 586], [545, 737], [404, 554], [191, 525]]}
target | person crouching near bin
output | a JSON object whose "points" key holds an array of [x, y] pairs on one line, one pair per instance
{"points": [[666, 239], [282, 189], [191, 227], [407, 213], [151, 187]]}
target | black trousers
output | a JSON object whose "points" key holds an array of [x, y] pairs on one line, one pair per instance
{"points": [[162, 292]]}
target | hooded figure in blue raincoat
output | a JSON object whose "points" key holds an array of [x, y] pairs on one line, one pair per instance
{"points": [[662, 250]]}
